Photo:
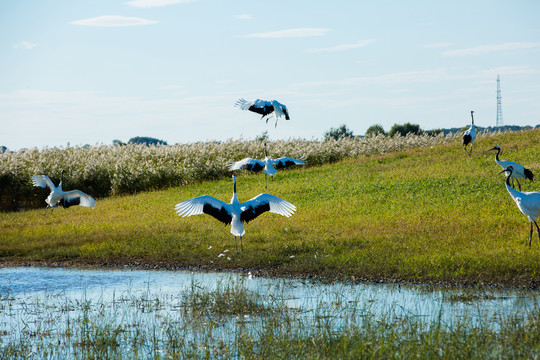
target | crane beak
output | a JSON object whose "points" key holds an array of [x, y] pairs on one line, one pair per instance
{"points": [[493, 148]]}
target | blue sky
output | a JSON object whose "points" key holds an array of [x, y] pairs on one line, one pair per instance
{"points": [[88, 72]]}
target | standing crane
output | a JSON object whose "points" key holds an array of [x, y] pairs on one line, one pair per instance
{"points": [[264, 107], [519, 172], [61, 197], [470, 135], [527, 202], [267, 165], [235, 213]]}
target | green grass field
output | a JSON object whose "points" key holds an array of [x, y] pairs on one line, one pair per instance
{"points": [[421, 215]]}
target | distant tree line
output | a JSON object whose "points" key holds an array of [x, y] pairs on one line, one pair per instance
{"points": [[145, 140], [376, 129]]}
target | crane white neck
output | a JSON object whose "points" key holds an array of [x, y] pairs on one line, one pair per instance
{"points": [[513, 192]]}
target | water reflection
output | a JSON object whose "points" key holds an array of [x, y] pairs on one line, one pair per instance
{"points": [[55, 305], [422, 301]]}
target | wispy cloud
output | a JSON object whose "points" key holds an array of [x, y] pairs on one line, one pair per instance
{"points": [[113, 21], [290, 33], [508, 70], [424, 76], [437, 45], [154, 3], [483, 49], [25, 45], [243, 16], [172, 87], [392, 78], [343, 47]]}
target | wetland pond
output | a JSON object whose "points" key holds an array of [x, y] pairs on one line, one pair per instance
{"points": [[75, 312]]}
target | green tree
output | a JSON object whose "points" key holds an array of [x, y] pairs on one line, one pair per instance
{"points": [[263, 137], [375, 130], [404, 129], [146, 141], [337, 133], [434, 132]]}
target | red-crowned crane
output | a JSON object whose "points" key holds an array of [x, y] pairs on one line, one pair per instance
{"points": [[61, 197], [470, 135], [519, 172], [235, 213], [266, 165], [265, 108], [527, 202]]}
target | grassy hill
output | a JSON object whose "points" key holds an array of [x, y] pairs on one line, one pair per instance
{"points": [[429, 214]]}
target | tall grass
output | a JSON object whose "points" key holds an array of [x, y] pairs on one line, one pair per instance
{"points": [[105, 170]]}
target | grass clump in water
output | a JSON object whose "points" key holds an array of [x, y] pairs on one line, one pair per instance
{"points": [[225, 300]]}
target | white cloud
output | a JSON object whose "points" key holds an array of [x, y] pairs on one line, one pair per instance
{"points": [[393, 78], [343, 47], [113, 21], [508, 70], [154, 3], [290, 33], [172, 87], [483, 49], [25, 45], [424, 76], [437, 45], [243, 16]]}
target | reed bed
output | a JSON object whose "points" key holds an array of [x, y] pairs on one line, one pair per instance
{"points": [[105, 170]]}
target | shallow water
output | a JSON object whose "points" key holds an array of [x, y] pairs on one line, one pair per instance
{"points": [[35, 282], [36, 302]]}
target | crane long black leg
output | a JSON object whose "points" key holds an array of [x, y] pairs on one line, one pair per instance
{"points": [[519, 185], [265, 183], [241, 244], [236, 247], [530, 234], [538, 230]]}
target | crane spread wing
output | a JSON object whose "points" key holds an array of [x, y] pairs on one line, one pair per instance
{"points": [[42, 181], [281, 110], [77, 197], [205, 204], [246, 164], [284, 162], [259, 106], [265, 202]]}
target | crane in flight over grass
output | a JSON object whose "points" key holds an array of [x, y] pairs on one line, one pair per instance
{"points": [[519, 172], [469, 135], [235, 213], [266, 165], [264, 107], [527, 202], [61, 197]]}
